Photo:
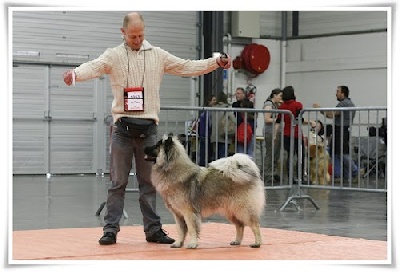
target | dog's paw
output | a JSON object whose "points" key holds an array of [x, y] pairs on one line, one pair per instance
{"points": [[255, 245], [177, 245], [192, 245], [235, 243]]}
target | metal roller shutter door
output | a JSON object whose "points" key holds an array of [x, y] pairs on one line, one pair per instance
{"points": [[70, 135]]}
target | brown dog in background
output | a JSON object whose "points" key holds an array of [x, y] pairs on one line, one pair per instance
{"points": [[319, 163]]}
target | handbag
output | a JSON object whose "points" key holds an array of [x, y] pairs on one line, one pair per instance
{"points": [[244, 132], [226, 124]]}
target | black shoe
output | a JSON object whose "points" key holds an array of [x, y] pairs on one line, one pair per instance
{"points": [[160, 237], [108, 238]]}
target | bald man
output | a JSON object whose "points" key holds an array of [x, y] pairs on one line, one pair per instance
{"points": [[135, 69]]}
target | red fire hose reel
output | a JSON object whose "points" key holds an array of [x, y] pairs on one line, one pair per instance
{"points": [[255, 58]]}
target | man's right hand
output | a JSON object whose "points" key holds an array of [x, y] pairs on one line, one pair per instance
{"points": [[224, 61], [316, 105], [68, 75]]}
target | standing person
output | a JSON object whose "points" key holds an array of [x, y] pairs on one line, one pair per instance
{"points": [[218, 132], [248, 147], [240, 95], [340, 141], [290, 103], [272, 143], [205, 128], [135, 69]]}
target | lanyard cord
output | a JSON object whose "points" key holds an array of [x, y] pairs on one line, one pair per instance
{"points": [[144, 65]]}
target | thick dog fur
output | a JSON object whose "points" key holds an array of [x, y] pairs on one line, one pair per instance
{"points": [[319, 163], [230, 187]]}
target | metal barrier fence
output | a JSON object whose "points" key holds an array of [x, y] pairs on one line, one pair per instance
{"points": [[299, 166], [342, 157], [362, 164]]}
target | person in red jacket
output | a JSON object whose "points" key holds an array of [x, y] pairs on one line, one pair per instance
{"points": [[290, 103]]}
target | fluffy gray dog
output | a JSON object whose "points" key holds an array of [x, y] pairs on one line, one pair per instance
{"points": [[230, 187]]}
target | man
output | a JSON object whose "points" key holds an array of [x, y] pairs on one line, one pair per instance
{"points": [[340, 145], [246, 148], [135, 69], [240, 95]]}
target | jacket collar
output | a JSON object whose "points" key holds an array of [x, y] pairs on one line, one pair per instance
{"points": [[145, 46]]}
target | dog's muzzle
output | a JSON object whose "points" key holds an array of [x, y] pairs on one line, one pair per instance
{"points": [[150, 154], [152, 159]]}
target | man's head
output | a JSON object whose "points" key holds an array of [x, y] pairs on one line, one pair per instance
{"points": [[342, 92], [133, 30], [240, 94]]}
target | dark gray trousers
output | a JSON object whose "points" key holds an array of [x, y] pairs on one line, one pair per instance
{"points": [[124, 145]]}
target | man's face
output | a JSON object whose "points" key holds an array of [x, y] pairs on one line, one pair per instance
{"points": [[339, 94], [134, 35], [239, 95]]}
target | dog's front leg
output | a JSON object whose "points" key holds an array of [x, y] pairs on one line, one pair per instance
{"points": [[193, 222], [182, 231]]}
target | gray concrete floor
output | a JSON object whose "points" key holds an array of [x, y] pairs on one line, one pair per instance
{"points": [[72, 201]]}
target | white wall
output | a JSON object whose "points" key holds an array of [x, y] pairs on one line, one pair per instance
{"points": [[315, 67], [323, 22]]}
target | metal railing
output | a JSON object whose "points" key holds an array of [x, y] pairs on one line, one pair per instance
{"points": [[367, 151]]}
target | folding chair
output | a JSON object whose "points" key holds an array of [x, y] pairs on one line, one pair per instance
{"points": [[372, 156]]}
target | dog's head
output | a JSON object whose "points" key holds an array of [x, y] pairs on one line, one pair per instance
{"points": [[167, 149], [316, 151]]}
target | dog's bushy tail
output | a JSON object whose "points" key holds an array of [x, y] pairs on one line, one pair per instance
{"points": [[240, 168]]}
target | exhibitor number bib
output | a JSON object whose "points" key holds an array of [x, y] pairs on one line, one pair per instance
{"points": [[134, 99]]}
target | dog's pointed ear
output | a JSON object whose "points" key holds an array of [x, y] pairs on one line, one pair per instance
{"points": [[168, 144], [169, 140]]}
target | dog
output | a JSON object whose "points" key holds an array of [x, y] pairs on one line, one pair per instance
{"points": [[319, 165], [229, 186]]}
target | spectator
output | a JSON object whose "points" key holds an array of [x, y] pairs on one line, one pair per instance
{"points": [[339, 144], [240, 95], [272, 146], [248, 147], [218, 132], [290, 103], [205, 128]]}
